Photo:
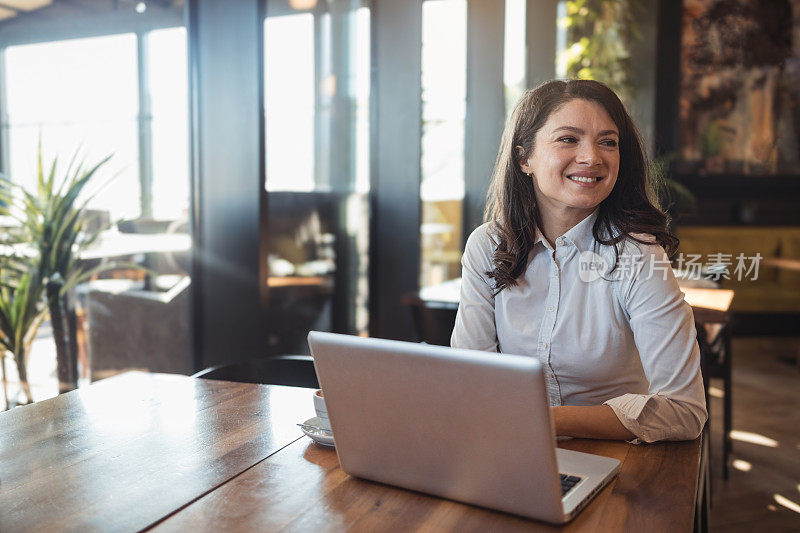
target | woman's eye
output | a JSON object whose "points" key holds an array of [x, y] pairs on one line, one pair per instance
{"points": [[609, 142], [568, 139]]}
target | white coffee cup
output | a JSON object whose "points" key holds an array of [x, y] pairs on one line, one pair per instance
{"points": [[319, 407]]}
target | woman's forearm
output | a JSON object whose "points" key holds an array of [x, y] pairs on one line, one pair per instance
{"points": [[589, 422]]}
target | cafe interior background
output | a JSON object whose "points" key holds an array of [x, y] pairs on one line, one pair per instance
{"points": [[288, 165]]}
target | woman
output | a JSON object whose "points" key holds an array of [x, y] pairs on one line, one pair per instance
{"points": [[571, 269]]}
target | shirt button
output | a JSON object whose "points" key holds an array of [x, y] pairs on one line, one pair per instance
{"points": [[561, 241], [551, 308], [544, 345]]}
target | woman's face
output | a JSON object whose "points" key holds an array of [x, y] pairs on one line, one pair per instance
{"points": [[575, 159]]}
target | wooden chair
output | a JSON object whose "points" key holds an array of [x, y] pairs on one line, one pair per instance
{"points": [[715, 352], [714, 339], [290, 370]]}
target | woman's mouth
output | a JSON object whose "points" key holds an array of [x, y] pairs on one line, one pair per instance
{"points": [[584, 179]]}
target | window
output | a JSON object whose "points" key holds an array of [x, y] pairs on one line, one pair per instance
{"points": [[78, 93], [444, 67], [289, 101], [82, 94], [168, 77], [126, 95], [514, 53], [317, 95]]}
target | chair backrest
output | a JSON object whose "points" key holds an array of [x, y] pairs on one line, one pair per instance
{"points": [[291, 370]]}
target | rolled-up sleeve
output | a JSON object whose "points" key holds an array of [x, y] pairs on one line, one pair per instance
{"points": [[475, 326], [665, 336]]}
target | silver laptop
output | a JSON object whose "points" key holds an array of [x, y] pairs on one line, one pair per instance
{"points": [[461, 424]]}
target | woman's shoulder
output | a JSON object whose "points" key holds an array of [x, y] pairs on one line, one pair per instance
{"points": [[484, 237], [633, 244], [643, 245], [636, 256], [480, 247]]}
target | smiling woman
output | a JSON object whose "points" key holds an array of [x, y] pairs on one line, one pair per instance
{"points": [[576, 168], [618, 349]]}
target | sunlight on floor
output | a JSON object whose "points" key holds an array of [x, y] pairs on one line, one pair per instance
{"points": [[786, 502], [716, 392], [744, 466], [753, 438]]}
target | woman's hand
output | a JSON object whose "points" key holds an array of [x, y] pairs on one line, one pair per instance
{"points": [[589, 422]]}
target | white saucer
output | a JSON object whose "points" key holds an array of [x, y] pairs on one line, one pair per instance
{"points": [[317, 436]]}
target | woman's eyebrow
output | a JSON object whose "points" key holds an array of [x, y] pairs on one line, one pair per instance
{"points": [[581, 132]]}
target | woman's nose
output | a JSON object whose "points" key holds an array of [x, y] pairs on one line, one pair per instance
{"points": [[587, 154]]}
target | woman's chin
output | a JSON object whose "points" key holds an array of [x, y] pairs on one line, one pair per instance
{"points": [[585, 205]]}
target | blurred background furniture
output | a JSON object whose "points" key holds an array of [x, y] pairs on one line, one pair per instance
{"points": [[161, 246], [304, 250], [433, 311], [139, 329], [433, 321], [290, 370], [713, 321], [770, 304]]}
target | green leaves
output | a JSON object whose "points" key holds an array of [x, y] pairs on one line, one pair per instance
{"points": [[602, 34], [669, 191], [43, 247], [51, 221]]}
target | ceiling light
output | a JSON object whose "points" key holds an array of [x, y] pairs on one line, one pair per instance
{"points": [[301, 5], [6, 13], [141, 7], [26, 5]]}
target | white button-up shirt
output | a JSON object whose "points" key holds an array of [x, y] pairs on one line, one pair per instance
{"points": [[626, 340]]}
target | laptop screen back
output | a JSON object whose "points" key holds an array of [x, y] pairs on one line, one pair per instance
{"points": [[461, 424]]}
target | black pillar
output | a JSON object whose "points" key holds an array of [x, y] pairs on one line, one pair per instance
{"points": [[228, 195], [396, 132]]}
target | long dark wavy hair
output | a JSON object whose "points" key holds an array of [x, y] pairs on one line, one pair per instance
{"points": [[632, 207]]}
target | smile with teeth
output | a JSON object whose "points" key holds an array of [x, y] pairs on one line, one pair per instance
{"points": [[585, 179]]}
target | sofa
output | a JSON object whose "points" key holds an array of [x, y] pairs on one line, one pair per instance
{"points": [[775, 294]]}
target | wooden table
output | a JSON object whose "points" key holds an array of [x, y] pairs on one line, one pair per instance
{"points": [[172, 453], [114, 244], [710, 306]]}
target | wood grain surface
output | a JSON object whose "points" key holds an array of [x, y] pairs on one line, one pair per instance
{"points": [[710, 306], [172, 453], [128, 451], [302, 488]]}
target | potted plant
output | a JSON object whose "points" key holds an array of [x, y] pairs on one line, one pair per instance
{"points": [[46, 245], [21, 312]]}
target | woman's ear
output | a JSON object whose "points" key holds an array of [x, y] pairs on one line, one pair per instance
{"points": [[523, 163]]}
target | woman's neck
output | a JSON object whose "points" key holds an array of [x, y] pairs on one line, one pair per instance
{"points": [[556, 222]]}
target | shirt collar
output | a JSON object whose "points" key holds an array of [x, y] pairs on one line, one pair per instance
{"points": [[580, 235]]}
